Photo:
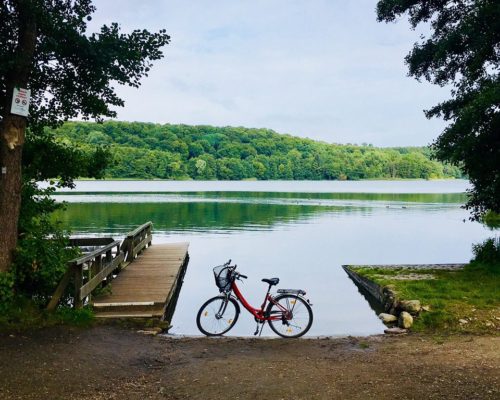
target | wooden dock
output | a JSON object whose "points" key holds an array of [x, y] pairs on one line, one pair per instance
{"points": [[148, 286], [134, 278]]}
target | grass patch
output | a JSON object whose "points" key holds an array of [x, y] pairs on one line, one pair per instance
{"points": [[23, 314], [471, 295]]}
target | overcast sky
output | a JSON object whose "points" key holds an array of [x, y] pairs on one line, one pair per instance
{"points": [[323, 69]]}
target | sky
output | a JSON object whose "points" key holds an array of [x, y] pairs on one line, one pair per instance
{"points": [[322, 69]]}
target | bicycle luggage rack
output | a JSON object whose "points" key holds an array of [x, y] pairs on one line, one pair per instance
{"points": [[293, 291]]}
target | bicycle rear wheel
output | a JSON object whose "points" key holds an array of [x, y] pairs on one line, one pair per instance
{"points": [[292, 316], [217, 316]]}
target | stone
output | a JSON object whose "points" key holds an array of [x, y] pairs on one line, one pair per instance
{"points": [[411, 306], [389, 299], [387, 318], [426, 308], [463, 321], [405, 320], [395, 331]]}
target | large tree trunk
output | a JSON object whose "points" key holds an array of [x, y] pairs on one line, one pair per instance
{"points": [[12, 137], [12, 132]]}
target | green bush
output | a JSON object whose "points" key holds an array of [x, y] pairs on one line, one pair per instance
{"points": [[491, 220], [487, 252], [6, 289], [41, 260]]}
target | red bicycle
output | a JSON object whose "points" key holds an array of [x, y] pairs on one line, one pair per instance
{"points": [[288, 313]]}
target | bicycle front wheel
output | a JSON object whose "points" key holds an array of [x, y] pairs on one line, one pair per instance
{"points": [[291, 316], [217, 316]]}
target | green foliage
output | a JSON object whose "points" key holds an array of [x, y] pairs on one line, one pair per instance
{"points": [[24, 314], [462, 51], [487, 252], [6, 289], [42, 251], [471, 293], [82, 317], [153, 151], [67, 160], [73, 71], [41, 260], [491, 219]]}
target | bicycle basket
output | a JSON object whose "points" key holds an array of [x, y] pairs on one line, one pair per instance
{"points": [[223, 277]]}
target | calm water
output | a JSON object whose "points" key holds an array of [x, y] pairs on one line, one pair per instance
{"points": [[301, 232]]}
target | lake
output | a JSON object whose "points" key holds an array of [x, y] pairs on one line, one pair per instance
{"points": [[301, 232]]}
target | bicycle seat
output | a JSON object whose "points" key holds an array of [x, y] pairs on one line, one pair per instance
{"points": [[272, 281]]}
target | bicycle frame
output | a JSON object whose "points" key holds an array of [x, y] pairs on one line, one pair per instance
{"points": [[259, 314]]}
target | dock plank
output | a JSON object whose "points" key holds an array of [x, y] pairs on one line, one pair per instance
{"points": [[149, 279]]}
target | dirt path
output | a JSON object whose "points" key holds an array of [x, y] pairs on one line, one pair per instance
{"points": [[108, 362]]}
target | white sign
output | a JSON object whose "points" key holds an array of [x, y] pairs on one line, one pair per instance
{"points": [[20, 102]]}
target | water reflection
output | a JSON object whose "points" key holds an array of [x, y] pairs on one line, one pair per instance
{"points": [[302, 238], [229, 211]]}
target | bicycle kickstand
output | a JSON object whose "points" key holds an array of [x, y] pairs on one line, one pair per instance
{"points": [[257, 330]]}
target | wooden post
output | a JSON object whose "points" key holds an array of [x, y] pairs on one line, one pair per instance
{"points": [[78, 286], [60, 289], [94, 269]]}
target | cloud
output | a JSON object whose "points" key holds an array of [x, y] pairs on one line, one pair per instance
{"points": [[322, 69]]}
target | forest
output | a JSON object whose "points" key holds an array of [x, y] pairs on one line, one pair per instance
{"points": [[154, 151]]}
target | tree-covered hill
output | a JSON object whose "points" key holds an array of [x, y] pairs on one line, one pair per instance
{"points": [[154, 151]]}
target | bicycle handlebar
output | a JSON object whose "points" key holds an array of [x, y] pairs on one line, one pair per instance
{"points": [[237, 275]]}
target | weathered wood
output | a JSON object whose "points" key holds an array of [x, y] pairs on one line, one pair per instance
{"points": [[98, 265], [139, 229], [78, 273], [147, 288], [150, 280], [141, 246], [95, 253], [137, 240], [60, 289], [100, 276], [90, 241]]}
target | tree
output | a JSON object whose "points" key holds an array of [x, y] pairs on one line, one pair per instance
{"points": [[463, 50], [45, 47]]}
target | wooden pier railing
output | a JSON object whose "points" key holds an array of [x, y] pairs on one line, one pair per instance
{"points": [[136, 241], [89, 270], [95, 267]]}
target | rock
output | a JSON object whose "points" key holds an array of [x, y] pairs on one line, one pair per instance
{"points": [[405, 320], [426, 308], [389, 297], [395, 331], [411, 306], [463, 321], [387, 318]]}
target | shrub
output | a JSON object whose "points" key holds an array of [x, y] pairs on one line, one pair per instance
{"points": [[487, 252], [6, 289], [41, 260]]}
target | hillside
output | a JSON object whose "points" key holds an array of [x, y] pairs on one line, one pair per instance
{"points": [[154, 151]]}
